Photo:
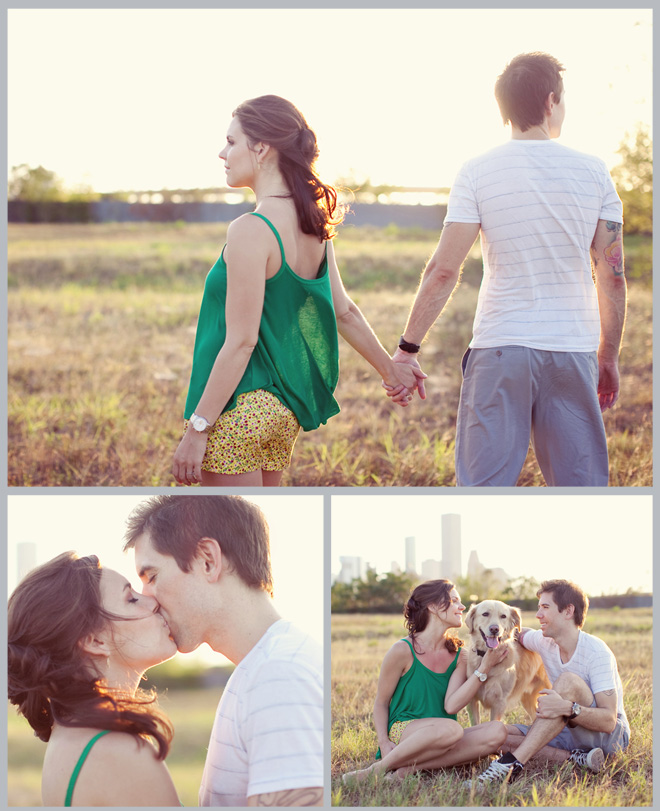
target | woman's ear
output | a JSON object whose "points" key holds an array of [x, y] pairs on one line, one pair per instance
{"points": [[262, 151], [95, 645], [210, 557]]}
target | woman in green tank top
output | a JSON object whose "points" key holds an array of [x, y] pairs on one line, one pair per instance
{"points": [[423, 684], [265, 361]]}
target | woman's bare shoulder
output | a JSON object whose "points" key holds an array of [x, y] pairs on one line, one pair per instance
{"points": [[123, 770]]}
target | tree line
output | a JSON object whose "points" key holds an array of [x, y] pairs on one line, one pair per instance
{"points": [[633, 177]]}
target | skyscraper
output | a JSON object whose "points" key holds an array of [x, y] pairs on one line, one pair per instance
{"points": [[411, 564], [451, 546]]}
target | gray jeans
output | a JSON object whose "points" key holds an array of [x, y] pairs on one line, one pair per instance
{"points": [[513, 393], [580, 738]]}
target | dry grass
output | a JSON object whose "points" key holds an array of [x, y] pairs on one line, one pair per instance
{"points": [[101, 328], [359, 643]]}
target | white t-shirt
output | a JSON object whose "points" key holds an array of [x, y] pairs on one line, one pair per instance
{"points": [[592, 661], [538, 204], [268, 731]]}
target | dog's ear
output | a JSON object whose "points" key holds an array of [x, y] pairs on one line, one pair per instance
{"points": [[515, 616], [469, 618]]}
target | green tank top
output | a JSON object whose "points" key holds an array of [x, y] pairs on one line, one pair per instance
{"points": [[296, 356], [420, 693], [79, 765]]}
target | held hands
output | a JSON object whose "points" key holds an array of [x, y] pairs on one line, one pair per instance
{"points": [[550, 705], [386, 748], [187, 462], [409, 376]]}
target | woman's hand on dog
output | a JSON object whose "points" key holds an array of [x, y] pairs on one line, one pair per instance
{"points": [[494, 656]]}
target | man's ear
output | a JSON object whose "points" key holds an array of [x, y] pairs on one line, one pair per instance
{"points": [[569, 611], [550, 102], [210, 557]]}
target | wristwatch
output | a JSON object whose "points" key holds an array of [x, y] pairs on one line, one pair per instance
{"points": [[575, 711], [481, 676], [199, 423], [413, 349]]}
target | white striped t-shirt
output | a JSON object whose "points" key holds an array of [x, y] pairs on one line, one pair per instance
{"points": [[538, 204], [268, 731], [592, 661]]}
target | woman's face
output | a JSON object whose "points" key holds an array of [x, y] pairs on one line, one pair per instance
{"points": [[141, 638], [453, 614], [240, 160]]}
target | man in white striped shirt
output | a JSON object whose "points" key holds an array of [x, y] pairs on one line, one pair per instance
{"points": [[582, 717], [206, 560], [543, 359]]}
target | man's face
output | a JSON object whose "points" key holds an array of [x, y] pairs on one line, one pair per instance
{"points": [[552, 620], [179, 593]]}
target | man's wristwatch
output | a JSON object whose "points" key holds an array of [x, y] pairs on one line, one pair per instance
{"points": [[575, 711], [413, 349], [481, 676], [199, 423]]}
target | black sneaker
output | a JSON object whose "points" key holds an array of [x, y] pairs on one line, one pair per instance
{"points": [[498, 772], [592, 759]]}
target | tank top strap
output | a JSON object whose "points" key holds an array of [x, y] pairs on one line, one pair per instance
{"points": [[274, 230], [79, 765], [410, 645]]}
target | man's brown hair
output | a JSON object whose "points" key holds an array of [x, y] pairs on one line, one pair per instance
{"points": [[176, 524]]}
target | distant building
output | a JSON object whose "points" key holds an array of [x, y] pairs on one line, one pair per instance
{"points": [[395, 568], [351, 569], [495, 579], [451, 546], [26, 558], [431, 569], [411, 563]]}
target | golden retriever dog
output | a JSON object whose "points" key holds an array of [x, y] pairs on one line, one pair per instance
{"points": [[518, 678]]}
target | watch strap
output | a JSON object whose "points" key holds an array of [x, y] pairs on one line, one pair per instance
{"points": [[408, 347]]}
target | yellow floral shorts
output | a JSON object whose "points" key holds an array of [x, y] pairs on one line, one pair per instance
{"points": [[396, 730], [258, 434]]}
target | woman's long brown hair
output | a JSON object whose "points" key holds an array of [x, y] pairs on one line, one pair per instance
{"points": [[275, 121], [50, 677]]}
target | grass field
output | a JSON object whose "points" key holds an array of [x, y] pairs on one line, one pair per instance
{"points": [[359, 643], [192, 713], [101, 329]]}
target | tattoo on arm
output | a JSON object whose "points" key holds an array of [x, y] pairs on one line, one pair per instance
{"points": [[609, 692], [614, 251], [292, 797]]}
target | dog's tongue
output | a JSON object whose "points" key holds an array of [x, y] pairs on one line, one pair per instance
{"points": [[492, 641]]}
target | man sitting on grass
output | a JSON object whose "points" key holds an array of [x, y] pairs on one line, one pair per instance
{"points": [[581, 718]]}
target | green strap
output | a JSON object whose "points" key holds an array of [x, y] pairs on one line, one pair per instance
{"points": [[274, 230], [79, 765]]}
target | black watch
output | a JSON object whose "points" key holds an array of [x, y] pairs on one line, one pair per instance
{"points": [[575, 711], [408, 347]]}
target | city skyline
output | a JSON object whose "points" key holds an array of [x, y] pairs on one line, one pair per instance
{"points": [[576, 537]]}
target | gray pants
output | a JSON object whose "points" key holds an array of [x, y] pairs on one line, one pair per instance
{"points": [[512, 393]]}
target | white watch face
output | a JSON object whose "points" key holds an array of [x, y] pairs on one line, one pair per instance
{"points": [[199, 423]]}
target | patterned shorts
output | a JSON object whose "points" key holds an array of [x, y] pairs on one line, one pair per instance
{"points": [[396, 730], [258, 434]]}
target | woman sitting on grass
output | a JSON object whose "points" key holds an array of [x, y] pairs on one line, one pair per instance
{"points": [[423, 684], [80, 640], [266, 360]]}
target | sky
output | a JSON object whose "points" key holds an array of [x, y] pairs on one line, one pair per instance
{"points": [[95, 524], [602, 542], [141, 98]]}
